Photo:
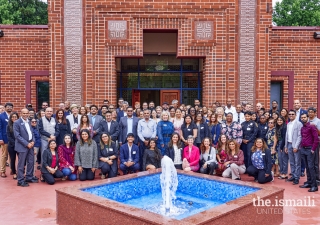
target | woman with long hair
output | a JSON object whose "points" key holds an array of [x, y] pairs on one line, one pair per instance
{"points": [[221, 116], [177, 120], [154, 116], [188, 128], [214, 129], [284, 114], [86, 156], [203, 130], [83, 111], [234, 162], [192, 113], [11, 143], [221, 153], [66, 153], [63, 125], [50, 164], [191, 156], [108, 156], [175, 150], [151, 157], [271, 140], [281, 130], [84, 124], [261, 162], [208, 159]]}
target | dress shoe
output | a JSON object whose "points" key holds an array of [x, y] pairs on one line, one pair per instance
{"points": [[38, 167], [238, 178], [290, 179], [302, 174], [305, 186], [32, 181], [22, 184], [313, 189], [295, 182]]}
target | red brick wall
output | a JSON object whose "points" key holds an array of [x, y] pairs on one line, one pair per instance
{"points": [[23, 48], [295, 49]]}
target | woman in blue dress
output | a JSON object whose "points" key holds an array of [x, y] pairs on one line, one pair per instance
{"points": [[164, 131]]}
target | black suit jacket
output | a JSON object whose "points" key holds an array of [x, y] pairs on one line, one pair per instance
{"points": [[46, 160], [114, 129], [170, 152]]}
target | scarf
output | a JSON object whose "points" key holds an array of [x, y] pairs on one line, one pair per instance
{"points": [[67, 153]]}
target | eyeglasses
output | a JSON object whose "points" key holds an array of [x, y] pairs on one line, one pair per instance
{"points": [[291, 114], [270, 122]]}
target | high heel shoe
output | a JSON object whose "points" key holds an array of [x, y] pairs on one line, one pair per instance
{"points": [[14, 176]]}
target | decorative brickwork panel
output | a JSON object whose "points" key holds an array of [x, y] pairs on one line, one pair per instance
{"points": [[247, 54], [203, 30], [117, 29], [73, 41]]}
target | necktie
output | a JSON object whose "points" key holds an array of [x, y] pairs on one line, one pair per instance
{"points": [[238, 117]]}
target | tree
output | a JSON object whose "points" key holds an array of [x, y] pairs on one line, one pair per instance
{"points": [[23, 12], [297, 13]]}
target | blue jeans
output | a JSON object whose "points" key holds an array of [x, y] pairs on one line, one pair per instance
{"points": [[283, 159], [295, 162], [67, 173]]}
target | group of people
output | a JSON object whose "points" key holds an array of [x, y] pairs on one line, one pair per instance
{"points": [[224, 140]]}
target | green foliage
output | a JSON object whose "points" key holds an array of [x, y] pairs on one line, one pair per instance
{"points": [[297, 13], [23, 12]]}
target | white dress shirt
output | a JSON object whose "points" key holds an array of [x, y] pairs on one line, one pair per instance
{"points": [[26, 123]]}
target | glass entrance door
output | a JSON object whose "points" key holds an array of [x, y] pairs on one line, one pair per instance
{"points": [[156, 73]]}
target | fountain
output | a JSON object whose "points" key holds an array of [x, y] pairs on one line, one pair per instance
{"points": [[169, 182], [156, 198]]}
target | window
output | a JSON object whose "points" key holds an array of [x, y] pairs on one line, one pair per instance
{"points": [[42, 93]]}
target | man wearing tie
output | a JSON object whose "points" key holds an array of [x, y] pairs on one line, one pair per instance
{"points": [[238, 116], [110, 127], [24, 146], [4, 119], [95, 121], [128, 124]]}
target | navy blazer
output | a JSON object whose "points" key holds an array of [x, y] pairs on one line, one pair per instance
{"points": [[107, 153], [114, 129], [21, 135], [170, 152], [123, 126], [204, 130], [3, 127], [267, 161], [124, 153], [46, 160]]}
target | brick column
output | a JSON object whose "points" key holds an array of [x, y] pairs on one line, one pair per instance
{"points": [[73, 44], [247, 51]]}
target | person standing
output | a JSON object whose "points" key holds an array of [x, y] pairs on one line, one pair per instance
{"points": [[249, 130], [239, 116], [262, 127], [147, 129], [110, 127], [4, 119], [202, 131], [67, 111], [309, 144], [316, 122], [122, 112], [292, 143], [11, 142], [24, 142], [164, 131], [48, 128], [128, 124], [274, 108], [230, 109], [232, 129], [281, 130], [63, 125], [95, 121]]}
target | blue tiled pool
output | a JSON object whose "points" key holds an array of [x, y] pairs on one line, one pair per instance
{"points": [[194, 194]]}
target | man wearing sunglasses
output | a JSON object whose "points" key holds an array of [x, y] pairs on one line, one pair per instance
{"points": [[292, 143]]}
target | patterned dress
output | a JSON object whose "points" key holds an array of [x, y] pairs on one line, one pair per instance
{"points": [[221, 167], [270, 141], [234, 131], [164, 132]]}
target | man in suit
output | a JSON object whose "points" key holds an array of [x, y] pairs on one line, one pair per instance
{"points": [[292, 143], [110, 127], [122, 112], [4, 119], [24, 146], [74, 120], [129, 156], [299, 111], [95, 121], [128, 124]]}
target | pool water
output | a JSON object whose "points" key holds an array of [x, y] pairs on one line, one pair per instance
{"points": [[194, 194]]}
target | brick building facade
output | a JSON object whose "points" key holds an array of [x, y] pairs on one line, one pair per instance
{"points": [[82, 50]]}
